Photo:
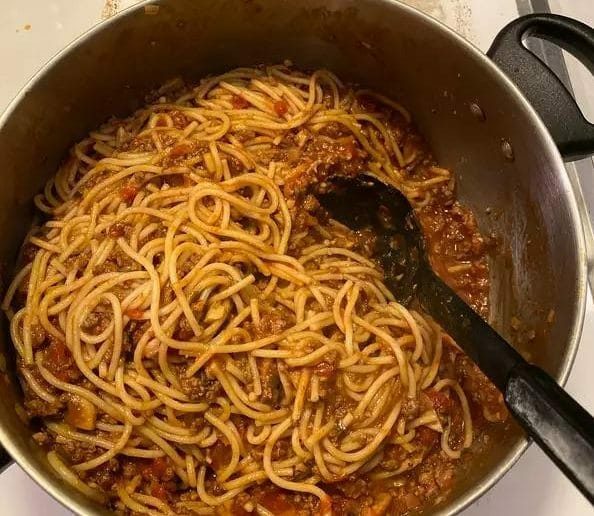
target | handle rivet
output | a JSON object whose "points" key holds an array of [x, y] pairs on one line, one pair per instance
{"points": [[507, 150], [477, 112]]}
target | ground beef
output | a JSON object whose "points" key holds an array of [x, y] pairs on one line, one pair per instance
{"points": [[107, 475], [272, 323], [327, 367], [180, 120], [139, 144], [78, 260], [183, 330], [379, 506], [338, 403], [96, 322], [281, 449], [28, 252], [304, 213], [199, 387], [117, 261], [434, 475], [182, 152], [36, 407], [133, 331], [160, 469], [76, 451], [410, 409], [322, 157], [353, 487], [453, 239], [346, 506], [119, 229]]}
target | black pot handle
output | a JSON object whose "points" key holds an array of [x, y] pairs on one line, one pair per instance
{"points": [[572, 133], [5, 459]]}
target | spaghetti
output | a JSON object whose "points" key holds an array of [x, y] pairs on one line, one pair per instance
{"points": [[194, 333]]}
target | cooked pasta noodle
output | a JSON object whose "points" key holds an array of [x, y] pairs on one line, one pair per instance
{"points": [[189, 325]]}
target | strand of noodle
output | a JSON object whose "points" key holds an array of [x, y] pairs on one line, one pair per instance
{"points": [[211, 500], [276, 479], [378, 383], [116, 448], [370, 448], [431, 373], [313, 441], [132, 504], [242, 407], [300, 394], [465, 408], [403, 312], [232, 439], [296, 445], [347, 321], [37, 388], [72, 479], [257, 439], [154, 501]]}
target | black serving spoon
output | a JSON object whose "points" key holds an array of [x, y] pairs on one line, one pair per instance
{"points": [[561, 427]]}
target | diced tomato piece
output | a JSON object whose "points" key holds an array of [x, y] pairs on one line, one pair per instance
{"points": [[440, 400], [118, 229], [59, 361], [281, 107], [325, 368], [238, 102], [350, 150], [279, 504], [238, 510], [220, 455], [326, 504], [128, 192], [134, 313], [56, 353], [411, 501], [156, 469], [159, 491], [179, 119], [180, 150], [426, 436]]}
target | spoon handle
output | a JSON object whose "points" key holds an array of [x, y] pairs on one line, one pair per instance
{"points": [[491, 352], [560, 426]]}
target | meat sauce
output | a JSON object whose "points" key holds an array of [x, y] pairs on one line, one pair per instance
{"points": [[458, 254]]}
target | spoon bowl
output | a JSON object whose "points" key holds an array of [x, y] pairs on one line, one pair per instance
{"points": [[364, 202]]}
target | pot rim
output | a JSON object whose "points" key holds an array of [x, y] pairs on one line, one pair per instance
{"points": [[474, 493]]}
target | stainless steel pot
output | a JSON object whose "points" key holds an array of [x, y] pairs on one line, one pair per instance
{"points": [[477, 121]]}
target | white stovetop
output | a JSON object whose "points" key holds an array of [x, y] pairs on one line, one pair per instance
{"points": [[31, 31]]}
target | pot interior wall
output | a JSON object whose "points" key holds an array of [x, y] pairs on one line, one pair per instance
{"points": [[380, 44]]}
